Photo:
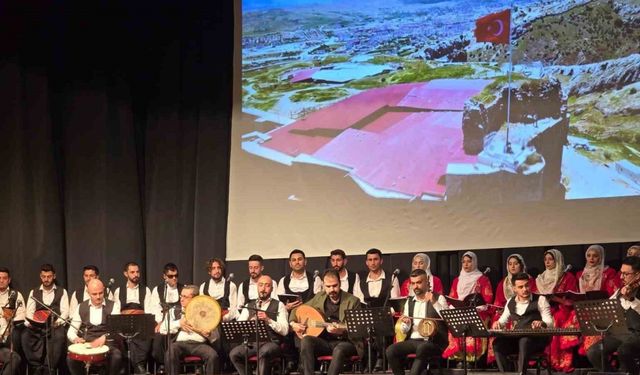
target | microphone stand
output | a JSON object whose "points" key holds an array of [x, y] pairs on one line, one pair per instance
{"points": [[257, 336], [384, 339], [166, 315]]}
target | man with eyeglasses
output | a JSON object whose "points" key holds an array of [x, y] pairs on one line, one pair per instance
{"points": [[164, 297], [628, 344]]}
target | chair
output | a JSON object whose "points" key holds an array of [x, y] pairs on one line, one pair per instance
{"points": [[325, 360], [194, 362], [276, 363], [541, 361]]}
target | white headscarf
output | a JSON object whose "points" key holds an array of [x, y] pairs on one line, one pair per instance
{"points": [[546, 281], [427, 269], [591, 278], [507, 286], [467, 280]]}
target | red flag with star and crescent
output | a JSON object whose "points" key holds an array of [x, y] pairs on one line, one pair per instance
{"points": [[494, 27]]}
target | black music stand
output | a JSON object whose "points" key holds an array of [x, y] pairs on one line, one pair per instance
{"points": [[599, 317], [366, 323], [241, 331], [128, 326], [463, 323]]}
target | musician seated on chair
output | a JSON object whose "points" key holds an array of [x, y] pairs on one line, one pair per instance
{"points": [[10, 361], [189, 340], [525, 311], [427, 339], [274, 314], [91, 318], [627, 345], [332, 302]]}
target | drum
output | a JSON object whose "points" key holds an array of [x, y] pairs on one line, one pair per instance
{"points": [[203, 313], [85, 353]]}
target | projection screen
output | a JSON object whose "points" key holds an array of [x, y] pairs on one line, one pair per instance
{"points": [[433, 125]]}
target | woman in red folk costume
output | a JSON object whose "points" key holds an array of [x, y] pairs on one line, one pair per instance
{"points": [[596, 276], [555, 280], [421, 261], [504, 291], [470, 281]]}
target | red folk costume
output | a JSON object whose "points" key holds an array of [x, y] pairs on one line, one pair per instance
{"points": [[557, 281], [596, 277], [434, 281], [504, 291], [463, 285]]}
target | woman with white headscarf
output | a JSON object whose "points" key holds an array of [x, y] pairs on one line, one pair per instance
{"points": [[555, 280], [470, 281], [421, 261]]}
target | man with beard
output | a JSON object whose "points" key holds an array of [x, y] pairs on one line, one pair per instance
{"points": [[526, 311], [135, 298], [424, 304], [13, 304], [332, 302], [348, 280], [91, 318], [248, 289], [40, 357], [89, 272], [222, 289], [274, 314], [164, 297]]}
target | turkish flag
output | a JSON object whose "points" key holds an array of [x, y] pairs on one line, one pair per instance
{"points": [[494, 27]]}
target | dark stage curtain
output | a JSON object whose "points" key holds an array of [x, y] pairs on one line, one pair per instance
{"points": [[115, 123]]}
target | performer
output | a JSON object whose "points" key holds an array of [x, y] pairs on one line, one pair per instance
{"points": [[627, 345], [348, 280], [222, 289], [248, 289], [555, 280], [470, 281], [188, 340], [135, 298], [91, 318], [332, 302], [274, 314], [89, 272], [40, 357], [524, 310], [373, 290], [633, 250], [421, 261], [164, 297], [12, 301], [423, 304]]}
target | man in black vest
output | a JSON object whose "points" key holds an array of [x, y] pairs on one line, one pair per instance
{"points": [[10, 361], [627, 345], [135, 298], [348, 280], [13, 301], [424, 304], [91, 318], [222, 289], [525, 311], [274, 314], [188, 340], [373, 290], [164, 297], [44, 353], [248, 289], [81, 294]]}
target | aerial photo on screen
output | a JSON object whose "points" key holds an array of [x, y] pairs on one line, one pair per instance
{"points": [[448, 100]]}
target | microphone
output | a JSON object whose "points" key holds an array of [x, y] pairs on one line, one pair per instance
{"points": [[11, 301], [316, 273], [567, 268], [396, 272], [486, 270], [111, 282], [230, 277]]}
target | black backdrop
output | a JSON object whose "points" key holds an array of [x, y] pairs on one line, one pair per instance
{"points": [[114, 135]]}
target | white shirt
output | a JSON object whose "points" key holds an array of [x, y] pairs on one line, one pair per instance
{"points": [[216, 290], [420, 311], [21, 310], [375, 285], [173, 296], [299, 284], [253, 292], [344, 282], [47, 298], [280, 325], [133, 296], [95, 318], [174, 327], [626, 304], [521, 307]]}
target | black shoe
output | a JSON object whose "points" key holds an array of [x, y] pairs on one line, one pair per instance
{"points": [[291, 367], [160, 370], [378, 366], [140, 368]]}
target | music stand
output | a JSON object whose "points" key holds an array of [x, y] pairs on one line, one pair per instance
{"points": [[129, 326], [464, 322], [597, 318], [241, 331], [366, 323]]}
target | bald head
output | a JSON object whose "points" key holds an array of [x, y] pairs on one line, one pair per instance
{"points": [[265, 287], [95, 287]]}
